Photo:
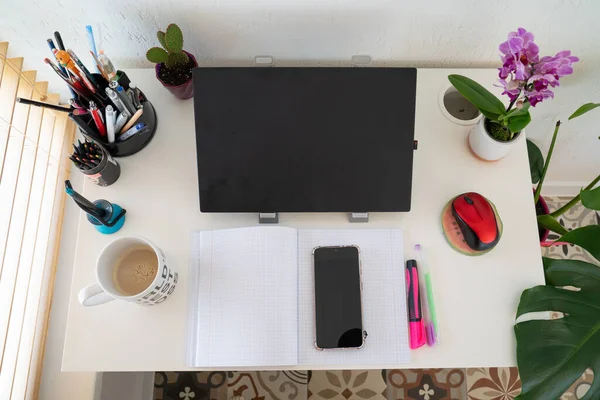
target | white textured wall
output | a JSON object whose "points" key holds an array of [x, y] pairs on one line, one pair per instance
{"points": [[441, 33]]}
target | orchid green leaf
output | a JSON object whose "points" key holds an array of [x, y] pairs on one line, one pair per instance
{"points": [[489, 115], [481, 98], [536, 161], [519, 122], [516, 112]]}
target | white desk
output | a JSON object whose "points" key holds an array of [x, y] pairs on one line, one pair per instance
{"points": [[477, 297]]}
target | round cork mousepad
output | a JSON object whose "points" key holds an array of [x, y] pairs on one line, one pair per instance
{"points": [[454, 236]]}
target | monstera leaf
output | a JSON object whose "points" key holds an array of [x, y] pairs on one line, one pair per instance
{"points": [[587, 237], [552, 354]]}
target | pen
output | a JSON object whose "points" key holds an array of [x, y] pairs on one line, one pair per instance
{"points": [[116, 100], [131, 95], [132, 131], [126, 99], [59, 42], [132, 120], [136, 95], [431, 324], [415, 317], [97, 116], [121, 121], [110, 124]]}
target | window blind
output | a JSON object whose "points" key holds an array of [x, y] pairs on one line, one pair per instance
{"points": [[34, 143]]}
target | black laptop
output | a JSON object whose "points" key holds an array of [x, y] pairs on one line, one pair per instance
{"points": [[304, 139]]}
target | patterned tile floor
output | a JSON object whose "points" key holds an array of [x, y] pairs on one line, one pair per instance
{"points": [[396, 384]]}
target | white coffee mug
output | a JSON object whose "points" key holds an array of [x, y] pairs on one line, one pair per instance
{"points": [[105, 289]]}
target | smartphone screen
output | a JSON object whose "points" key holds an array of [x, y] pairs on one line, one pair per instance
{"points": [[338, 297]]}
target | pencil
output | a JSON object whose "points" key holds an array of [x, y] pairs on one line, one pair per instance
{"points": [[91, 41], [43, 105]]}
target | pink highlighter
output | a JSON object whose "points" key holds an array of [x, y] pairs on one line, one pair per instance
{"points": [[418, 336]]}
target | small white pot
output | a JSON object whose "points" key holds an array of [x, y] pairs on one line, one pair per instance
{"points": [[486, 147]]}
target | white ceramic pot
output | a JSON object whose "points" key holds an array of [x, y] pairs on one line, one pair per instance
{"points": [[486, 147]]}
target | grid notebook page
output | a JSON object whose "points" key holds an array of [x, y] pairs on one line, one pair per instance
{"points": [[246, 297], [383, 297]]}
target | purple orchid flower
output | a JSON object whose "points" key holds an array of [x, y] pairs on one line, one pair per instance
{"points": [[559, 65], [518, 52], [547, 73], [539, 96], [512, 88], [543, 81], [527, 74]]}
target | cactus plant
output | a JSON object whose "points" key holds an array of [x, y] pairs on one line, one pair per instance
{"points": [[172, 54], [173, 64]]}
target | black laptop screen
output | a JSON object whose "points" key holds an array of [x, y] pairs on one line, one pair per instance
{"points": [[304, 139]]}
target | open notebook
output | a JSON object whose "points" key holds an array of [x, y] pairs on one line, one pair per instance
{"points": [[252, 298]]}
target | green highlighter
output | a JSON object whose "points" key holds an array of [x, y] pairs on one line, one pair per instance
{"points": [[431, 324]]}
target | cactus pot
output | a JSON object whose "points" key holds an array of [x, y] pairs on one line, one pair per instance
{"points": [[183, 90]]}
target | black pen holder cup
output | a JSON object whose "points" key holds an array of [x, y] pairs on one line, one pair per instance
{"points": [[134, 143], [106, 173]]}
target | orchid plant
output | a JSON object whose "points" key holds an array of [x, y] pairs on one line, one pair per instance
{"points": [[527, 80]]}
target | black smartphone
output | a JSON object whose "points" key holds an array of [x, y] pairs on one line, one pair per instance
{"points": [[338, 297]]}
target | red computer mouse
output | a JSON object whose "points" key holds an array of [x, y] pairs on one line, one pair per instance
{"points": [[477, 221]]}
